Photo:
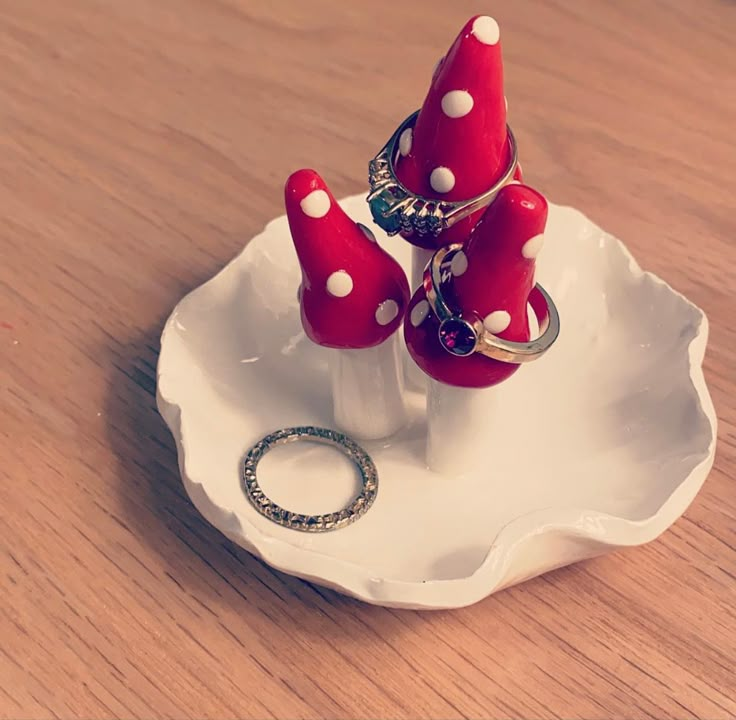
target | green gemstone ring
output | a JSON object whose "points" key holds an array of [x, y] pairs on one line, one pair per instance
{"points": [[396, 209]]}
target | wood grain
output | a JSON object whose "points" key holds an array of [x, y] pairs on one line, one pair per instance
{"points": [[141, 144]]}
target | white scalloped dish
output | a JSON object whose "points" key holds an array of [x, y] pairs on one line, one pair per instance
{"points": [[601, 444]]}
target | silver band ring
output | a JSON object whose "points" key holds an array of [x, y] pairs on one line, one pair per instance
{"points": [[299, 521], [396, 209], [467, 332]]}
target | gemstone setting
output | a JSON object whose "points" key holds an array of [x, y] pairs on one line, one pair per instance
{"points": [[458, 337], [379, 207]]}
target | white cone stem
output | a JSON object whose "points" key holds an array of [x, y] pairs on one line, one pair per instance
{"points": [[368, 390], [459, 427], [416, 380], [419, 259]]}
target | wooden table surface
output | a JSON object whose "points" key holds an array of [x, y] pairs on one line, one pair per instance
{"points": [[141, 144]]}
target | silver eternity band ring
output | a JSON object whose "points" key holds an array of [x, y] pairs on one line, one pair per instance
{"points": [[300, 521], [463, 334], [396, 209]]}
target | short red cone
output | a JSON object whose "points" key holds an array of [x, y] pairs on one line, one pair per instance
{"points": [[492, 278], [353, 293]]}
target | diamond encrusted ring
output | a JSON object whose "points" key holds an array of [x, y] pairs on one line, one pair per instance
{"points": [[298, 521]]}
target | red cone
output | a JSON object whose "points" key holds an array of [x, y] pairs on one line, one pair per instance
{"points": [[353, 293], [459, 148], [492, 278]]}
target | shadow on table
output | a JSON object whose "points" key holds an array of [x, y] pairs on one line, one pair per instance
{"points": [[198, 559]]}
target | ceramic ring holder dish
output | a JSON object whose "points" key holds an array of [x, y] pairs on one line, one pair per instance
{"points": [[601, 444]]}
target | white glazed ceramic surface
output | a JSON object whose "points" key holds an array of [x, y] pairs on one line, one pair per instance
{"points": [[601, 444]]}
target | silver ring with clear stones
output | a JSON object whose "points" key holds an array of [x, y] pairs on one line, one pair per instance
{"points": [[299, 521]]}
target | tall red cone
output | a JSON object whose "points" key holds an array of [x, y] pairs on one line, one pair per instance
{"points": [[458, 147]]}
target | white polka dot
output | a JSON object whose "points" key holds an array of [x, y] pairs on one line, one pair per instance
{"points": [[457, 103], [339, 284], [316, 204], [387, 312], [405, 142], [442, 180], [513, 182], [367, 232], [486, 30], [459, 263], [419, 312], [497, 321], [531, 247]]}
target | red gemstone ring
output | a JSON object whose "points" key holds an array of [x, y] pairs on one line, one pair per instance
{"points": [[462, 334]]}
